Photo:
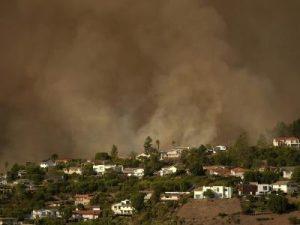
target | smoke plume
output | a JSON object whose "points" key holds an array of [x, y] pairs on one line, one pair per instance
{"points": [[78, 76]]}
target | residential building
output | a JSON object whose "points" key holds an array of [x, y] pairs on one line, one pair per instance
{"points": [[219, 148], [8, 221], [142, 156], [217, 170], [173, 196], [174, 153], [246, 189], [87, 214], [22, 173], [123, 208], [47, 163], [148, 195], [63, 161], [103, 168], [134, 172], [3, 181], [238, 172], [167, 170], [83, 199], [262, 189], [287, 187], [73, 170], [287, 172], [45, 213], [287, 141], [219, 192]]}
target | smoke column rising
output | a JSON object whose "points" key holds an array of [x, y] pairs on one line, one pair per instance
{"points": [[79, 76]]}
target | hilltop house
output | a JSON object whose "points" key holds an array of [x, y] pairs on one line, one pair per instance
{"points": [[102, 168], [287, 141], [219, 148], [167, 171], [83, 199], [174, 153], [47, 163], [173, 196], [3, 181], [134, 172], [142, 156], [73, 170], [287, 187], [287, 172], [123, 208], [45, 213], [63, 161], [219, 192], [217, 170], [22, 173], [262, 189], [87, 214], [238, 172]]}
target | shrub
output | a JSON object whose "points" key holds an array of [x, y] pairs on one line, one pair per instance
{"points": [[278, 203]]}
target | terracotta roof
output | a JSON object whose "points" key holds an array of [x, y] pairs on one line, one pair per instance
{"points": [[286, 138]]}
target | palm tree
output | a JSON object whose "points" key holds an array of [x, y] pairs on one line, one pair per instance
{"points": [[157, 144]]}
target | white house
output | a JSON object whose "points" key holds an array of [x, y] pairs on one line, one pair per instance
{"points": [[45, 213], [262, 189], [219, 191], [22, 173], [3, 181], [101, 169], [174, 153], [134, 172], [167, 170], [219, 148], [287, 172], [47, 163], [287, 187], [123, 208], [142, 156], [287, 141], [73, 170], [172, 196]]}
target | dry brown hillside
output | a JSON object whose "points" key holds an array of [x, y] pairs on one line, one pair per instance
{"points": [[225, 212]]}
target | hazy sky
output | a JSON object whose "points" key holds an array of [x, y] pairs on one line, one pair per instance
{"points": [[78, 76]]}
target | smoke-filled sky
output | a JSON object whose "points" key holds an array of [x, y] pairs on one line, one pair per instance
{"points": [[78, 76]]}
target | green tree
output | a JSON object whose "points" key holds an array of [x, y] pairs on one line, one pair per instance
{"points": [[196, 168], [296, 174], [114, 152], [241, 150], [278, 203], [148, 145], [157, 144], [137, 200], [209, 194], [295, 128], [54, 157]]}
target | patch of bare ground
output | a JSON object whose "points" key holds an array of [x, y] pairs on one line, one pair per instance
{"points": [[225, 212]]}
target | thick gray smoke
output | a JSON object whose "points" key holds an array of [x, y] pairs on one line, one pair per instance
{"points": [[78, 76]]}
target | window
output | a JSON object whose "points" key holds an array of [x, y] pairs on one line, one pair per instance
{"points": [[265, 188]]}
